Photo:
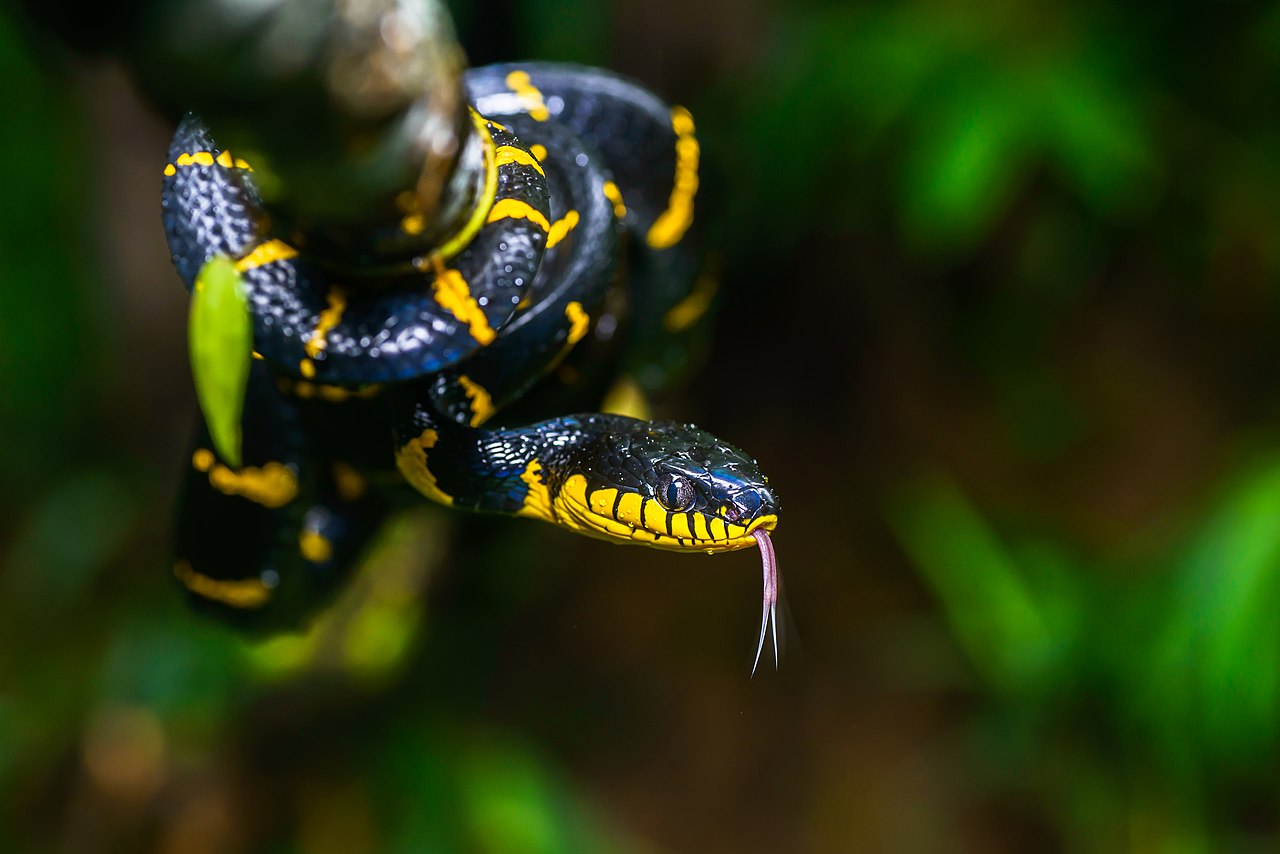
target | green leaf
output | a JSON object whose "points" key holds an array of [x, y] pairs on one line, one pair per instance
{"points": [[1217, 665], [964, 163], [221, 338], [1095, 136], [990, 605]]}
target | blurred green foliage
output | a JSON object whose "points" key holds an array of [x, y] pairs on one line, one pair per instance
{"points": [[46, 330], [1001, 280], [1182, 670], [967, 103]]}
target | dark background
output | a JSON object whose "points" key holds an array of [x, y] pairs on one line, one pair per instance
{"points": [[1000, 320]]}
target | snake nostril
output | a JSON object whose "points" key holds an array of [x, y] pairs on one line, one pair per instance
{"points": [[748, 504], [768, 501]]}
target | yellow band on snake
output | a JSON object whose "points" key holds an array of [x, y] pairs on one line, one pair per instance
{"points": [[480, 213]]}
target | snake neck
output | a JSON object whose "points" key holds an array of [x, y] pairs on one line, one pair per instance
{"points": [[514, 471], [492, 470]]}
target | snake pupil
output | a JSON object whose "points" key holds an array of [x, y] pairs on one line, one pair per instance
{"points": [[674, 492]]}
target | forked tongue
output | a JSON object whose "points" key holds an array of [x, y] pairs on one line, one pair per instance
{"points": [[770, 603]]}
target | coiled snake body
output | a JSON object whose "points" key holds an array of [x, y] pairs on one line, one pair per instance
{"points": [[405, 360]]}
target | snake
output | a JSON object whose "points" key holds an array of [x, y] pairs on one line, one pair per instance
{"points": [[431, 369]]}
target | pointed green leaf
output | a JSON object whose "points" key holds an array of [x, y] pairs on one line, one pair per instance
{"points": [[1217, 665], [993, 609], [966, 162], [221, 339]]}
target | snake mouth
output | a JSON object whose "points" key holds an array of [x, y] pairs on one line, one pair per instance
{"points": [[746, 536], [735, 536]]}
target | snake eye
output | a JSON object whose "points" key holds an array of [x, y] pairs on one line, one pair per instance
{"points": [[674, 492]]}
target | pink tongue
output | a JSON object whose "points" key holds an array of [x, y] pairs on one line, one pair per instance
{"points": [[770, 567]]}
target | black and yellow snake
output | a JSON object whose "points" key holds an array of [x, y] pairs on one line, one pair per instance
{"points": [[400, 353]]}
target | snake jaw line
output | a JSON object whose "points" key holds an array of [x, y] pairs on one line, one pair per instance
{"points": [[769, 566]]}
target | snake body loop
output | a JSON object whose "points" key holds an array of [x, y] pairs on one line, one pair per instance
{"points": [[357, 326]]}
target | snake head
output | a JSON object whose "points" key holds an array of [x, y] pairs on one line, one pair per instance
{"points": [[719, 490], [665, 485]]}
